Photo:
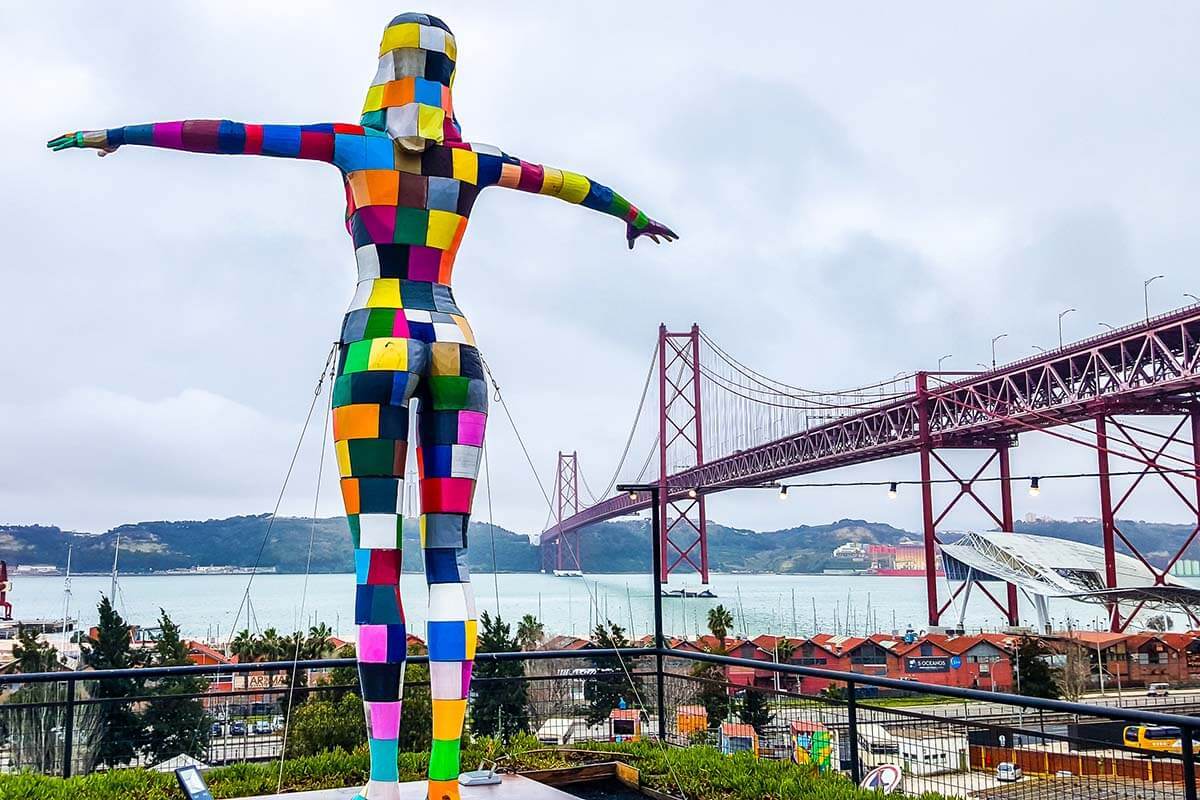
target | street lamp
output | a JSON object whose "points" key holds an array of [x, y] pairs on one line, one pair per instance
{"points": [[1106, 325], [1040, 349], [1189, 294], [1060, 319], [1146, 293], [994, 340], [943, 358]]}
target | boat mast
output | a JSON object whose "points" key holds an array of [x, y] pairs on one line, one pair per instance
{"points": [[66, 600], [112, 589]]}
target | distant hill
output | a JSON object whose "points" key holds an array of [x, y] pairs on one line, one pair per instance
{"points": [[162, 545]]}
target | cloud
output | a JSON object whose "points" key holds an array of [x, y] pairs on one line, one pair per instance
{"points": [[858, 193]]}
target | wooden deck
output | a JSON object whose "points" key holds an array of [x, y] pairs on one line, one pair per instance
{"points": [[514, 787]]}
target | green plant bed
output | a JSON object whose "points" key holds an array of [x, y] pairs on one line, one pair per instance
{"points": [[702, 773]]}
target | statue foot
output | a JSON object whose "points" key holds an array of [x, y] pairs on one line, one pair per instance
{"points": [[443, 790], [379, 790]]}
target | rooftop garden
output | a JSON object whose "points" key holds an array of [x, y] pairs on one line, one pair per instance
{"points": [[694, 773]]}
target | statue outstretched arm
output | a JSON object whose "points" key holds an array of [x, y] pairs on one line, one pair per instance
{"points": [[497, 168], [314, 142]]}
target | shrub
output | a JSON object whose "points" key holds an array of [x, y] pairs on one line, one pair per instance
{"points": [[319, 726], [702, 773]]}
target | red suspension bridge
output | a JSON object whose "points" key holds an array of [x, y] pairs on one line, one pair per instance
{"points": [[722, 426]]}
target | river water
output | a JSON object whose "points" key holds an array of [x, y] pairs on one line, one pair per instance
{"points": [[210, 606]]}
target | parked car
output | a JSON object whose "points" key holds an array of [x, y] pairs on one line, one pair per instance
{"points": [[1158, 690], [1008, 771], [217, 729], [262, 726], [237, 728]]}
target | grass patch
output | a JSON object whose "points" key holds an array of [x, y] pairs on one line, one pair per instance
{"points": [[701, 772]]}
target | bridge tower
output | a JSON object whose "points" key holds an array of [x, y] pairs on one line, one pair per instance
{"points": [[567, 546], [997, 447], [683, 536]]}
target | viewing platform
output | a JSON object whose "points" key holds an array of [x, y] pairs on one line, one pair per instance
{"points": [[514, 787]]}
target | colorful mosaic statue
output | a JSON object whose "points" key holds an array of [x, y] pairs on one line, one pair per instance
{"points": [[411, 182]]}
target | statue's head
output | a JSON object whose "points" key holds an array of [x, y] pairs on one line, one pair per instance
{"points": [[410, 96]]}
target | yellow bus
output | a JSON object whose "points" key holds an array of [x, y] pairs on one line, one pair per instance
{"points": [[1156, 739]]}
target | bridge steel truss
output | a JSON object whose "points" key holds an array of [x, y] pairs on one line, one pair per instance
{"points": [[1148, 368]]}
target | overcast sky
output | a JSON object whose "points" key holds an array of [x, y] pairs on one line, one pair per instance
{"points": [[859, 189]]}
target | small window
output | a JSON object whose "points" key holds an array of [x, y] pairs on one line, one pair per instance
{"points": [[926, 649]]}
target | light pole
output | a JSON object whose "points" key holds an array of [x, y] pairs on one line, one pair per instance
{"points": [[1106, 325], [943, 358], [994, 340], [1146, 293], [1062, 314], [1194, 298], [1039, 349]]}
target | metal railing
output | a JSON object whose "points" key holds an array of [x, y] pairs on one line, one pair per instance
{"points": [[858, 721]]}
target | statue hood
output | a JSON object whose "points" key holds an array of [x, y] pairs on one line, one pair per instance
{"points": [[410, 95]]}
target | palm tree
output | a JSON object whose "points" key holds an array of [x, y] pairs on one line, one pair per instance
{"points": [[720, 620], [530, 632], [245, 646], [272, 646], [784, 648], [319, 642]]}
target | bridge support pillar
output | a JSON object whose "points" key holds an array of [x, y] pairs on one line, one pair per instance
{"points": [[1173, 459], [683, 526], [967, 487]]}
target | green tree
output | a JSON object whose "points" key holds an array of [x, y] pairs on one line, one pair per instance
{"points": [[720, 620], [121, 728], [610, 684], [343, 679], [322, 725], [754, 710], [1037, 677], [31, 653], [416, 728], [712, 692], [530, 632], [319, 642], [501, 700], [245, 646], [784, 649], [175, 719]]}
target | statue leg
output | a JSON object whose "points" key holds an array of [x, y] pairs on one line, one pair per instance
{"points": [[376, 379], [452, 411]]}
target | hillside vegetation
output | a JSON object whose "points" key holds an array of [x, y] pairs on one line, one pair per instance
{"points": [[163, 545]]}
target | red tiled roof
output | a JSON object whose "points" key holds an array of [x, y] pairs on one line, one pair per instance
{"points": [[1178, 641], [201, 648], [566, 643], [738, 730]]}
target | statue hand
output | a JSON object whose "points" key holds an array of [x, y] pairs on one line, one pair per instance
{"points": [[653, 229], [92, 139]]}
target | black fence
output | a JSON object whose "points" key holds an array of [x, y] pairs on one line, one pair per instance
{"points": [[956, 742]]}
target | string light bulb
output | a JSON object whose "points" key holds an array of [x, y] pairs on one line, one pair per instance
{"points": [[1035, 487], [632, 495], [893, 490], [783, 492], [692, 493]]}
